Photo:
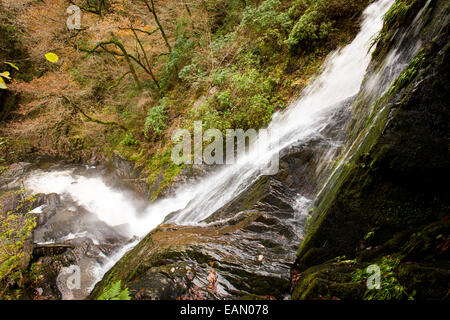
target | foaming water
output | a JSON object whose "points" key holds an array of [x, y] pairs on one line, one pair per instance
{"points": [[110, 205]]}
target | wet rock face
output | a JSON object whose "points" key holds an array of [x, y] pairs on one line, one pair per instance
{"points": [[125, 174], [122, 167], [11, 178], [58, 266], [182, 262], [248, 253], [48, 206], [68, 236]]}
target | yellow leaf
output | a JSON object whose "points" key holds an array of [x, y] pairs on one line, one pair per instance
{"points": [[2, 84], [12, 65], [5, 75], [51, 57]]}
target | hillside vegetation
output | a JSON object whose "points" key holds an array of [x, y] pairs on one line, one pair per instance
{"points": [[138, 70]]}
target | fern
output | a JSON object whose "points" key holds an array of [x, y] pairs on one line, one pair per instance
{"points": [[115, 292]]}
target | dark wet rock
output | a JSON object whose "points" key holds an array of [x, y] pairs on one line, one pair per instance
{"points": [[122, 167], [124, 174], [429, 281], [42, 250], [9, 201], [250, 242], [11, 178], [328, 281], [69, 236], [387, 203], [251, 251], [175, 262], [60, 235], [55, 263], [50, 204]]}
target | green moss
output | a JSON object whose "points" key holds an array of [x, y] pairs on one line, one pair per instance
{"points": [[409, 74], [15, 244], [328, 281], [399, 14], [161, 165]]}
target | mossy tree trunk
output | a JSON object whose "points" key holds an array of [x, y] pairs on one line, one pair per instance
{"points": [[123, 53]]}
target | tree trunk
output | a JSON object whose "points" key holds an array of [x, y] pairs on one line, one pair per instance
{"points": [[155, 16]]}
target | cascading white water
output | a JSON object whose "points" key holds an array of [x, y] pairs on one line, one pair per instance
{"points": [[110, 205], [340, 79]]}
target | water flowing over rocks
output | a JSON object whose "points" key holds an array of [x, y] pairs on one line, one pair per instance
{"points": [[66, 233], [249, 244], [363, 154], [384, 203]]}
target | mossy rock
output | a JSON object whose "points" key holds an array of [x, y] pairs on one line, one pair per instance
{"points": [[328, 281]]}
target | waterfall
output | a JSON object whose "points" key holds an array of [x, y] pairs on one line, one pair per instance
{"points": [[341, 78]]}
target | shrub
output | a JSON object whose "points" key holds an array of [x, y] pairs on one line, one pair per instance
{"points": [[256, 114], [265, 27], [129, 141], [315, 20], [156, 119], [219, 77], [308, 30], [179, 57], [224, 99], [264, 18]]}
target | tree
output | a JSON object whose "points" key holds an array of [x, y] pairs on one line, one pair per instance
{"points": [[123, 53], [146, 63], [151, 8], [93, 6]]}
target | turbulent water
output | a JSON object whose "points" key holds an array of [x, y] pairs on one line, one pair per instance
{"points": [[341, 78]]}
